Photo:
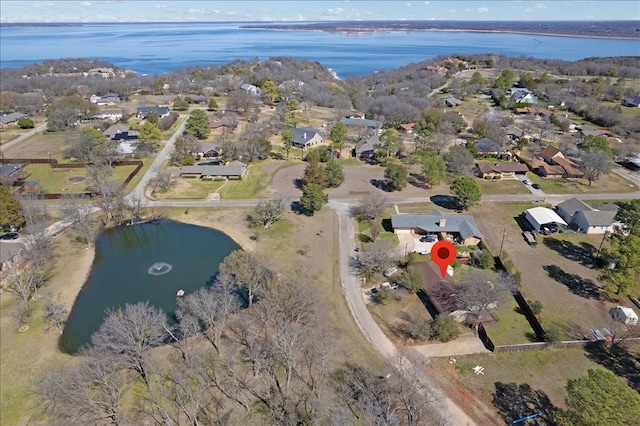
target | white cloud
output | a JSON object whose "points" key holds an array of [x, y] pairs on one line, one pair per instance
{"points": [[335, 11], [196, 11], [478, 10], [425, 2], [408, 4], [86, 3], [160, 6]]}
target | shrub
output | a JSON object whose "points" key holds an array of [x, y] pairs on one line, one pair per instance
{"points": [[485, 260], [536, 306], [497, 177], [552, 335], [445, 328]]}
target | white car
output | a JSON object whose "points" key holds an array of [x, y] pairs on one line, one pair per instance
{"points": [[390, 272], [526, 181]]}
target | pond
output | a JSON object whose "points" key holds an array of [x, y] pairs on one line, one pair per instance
{"points": [[145, 262]]}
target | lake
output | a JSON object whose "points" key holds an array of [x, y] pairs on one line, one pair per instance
{"points": [[151, 261], [152, 48]]}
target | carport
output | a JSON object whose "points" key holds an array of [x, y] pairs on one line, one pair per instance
{"points": [[539, 216]]}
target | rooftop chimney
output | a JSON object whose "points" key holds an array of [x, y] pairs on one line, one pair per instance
{"points": [[304, 135], [442, 222]]}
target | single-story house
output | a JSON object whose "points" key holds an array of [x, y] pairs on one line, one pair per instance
{"points": [[9, 173], [451, 101], [459, 227], [521, 95], [406, 128], [11, 120], [305, 137], [633, 102], [588, 219], [250, 89], [209, 150], [486, 146], [361, 122], [586, 130], [235, 169], [538, 216], [365, 148], [509, 170], [143, 112], [119, 132], [563, 167], [108, 114], [106, 99], [226, 122]]}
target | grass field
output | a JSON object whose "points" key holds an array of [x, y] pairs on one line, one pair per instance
{"points": [[608, 184], [502, 186], [253, 182], [67, 181], [39, 146], [191, 189]]}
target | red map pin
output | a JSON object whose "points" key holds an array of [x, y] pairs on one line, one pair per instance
{"points": [[443, 254]]}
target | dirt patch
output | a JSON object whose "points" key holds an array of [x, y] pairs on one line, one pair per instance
{"points": [[76, 179]]}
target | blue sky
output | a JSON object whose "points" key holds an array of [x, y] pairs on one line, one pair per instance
{"points": [[310, 10]]}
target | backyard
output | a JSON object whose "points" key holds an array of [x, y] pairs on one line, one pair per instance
{"points": [[67, 181]]}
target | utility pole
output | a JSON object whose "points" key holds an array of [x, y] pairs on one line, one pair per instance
{"points": [[504, 234]]}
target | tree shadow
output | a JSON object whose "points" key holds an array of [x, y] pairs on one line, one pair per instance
{"points": [[523, 223], [575, 331], [516, 401], [417, 180], [380, 184], [619, 360], [364, 238], [575, 283], [297, 182], [448, 202], [581, 253]]}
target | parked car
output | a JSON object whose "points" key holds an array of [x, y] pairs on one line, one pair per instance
{"points": [[535, 186], [429, 239], [549, 228], [9, 236], [526, 181], [425, 252], [390, 272]]}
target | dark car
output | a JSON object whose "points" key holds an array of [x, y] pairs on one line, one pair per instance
{"points": [[536, 186], [9, 236], [428, 239]]}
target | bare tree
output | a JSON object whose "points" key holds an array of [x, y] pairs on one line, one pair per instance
{"points": [[370, 207], [481, 290], [459, 160], [54, 313], [131, 332], [106, 189], [78, 211], [23, 285], [89, 392], [211, 308], [269, 211], [247, 272], [164, 180], [375, 259], [594, 163]]}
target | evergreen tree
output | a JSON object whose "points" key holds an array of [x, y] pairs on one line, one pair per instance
{"points": [[467, 190], [334, 173], [198, 124], [313, 198]]}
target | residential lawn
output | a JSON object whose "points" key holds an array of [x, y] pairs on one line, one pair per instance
{"points": [[501, 186], [389, 314], [146, 163], [546, 371], [253, 182], [471, 108], [190, 189], [611, 183], [418, 208], [512, 327], [60, 181], [39, 146]]}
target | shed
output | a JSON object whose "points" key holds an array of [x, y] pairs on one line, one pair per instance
{"points": [[626, 316], [538, 216]]}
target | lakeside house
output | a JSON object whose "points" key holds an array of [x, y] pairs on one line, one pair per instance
{"points": [[366, 147], [234, 170], [119, 132], [161, 111], [305, 137]]}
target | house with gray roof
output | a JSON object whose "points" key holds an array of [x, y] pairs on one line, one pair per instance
{"points": [[588, 219], [143, 112], [361, 122], [305, 137], [118, 132], [633, 102], [10, 120], [451, 101], [233, 170], [461, 228], [365, 148], [486, 146], [10, 254]]}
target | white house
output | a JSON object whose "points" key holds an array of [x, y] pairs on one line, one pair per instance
{"points": [[538, 216], [588, 219]]}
